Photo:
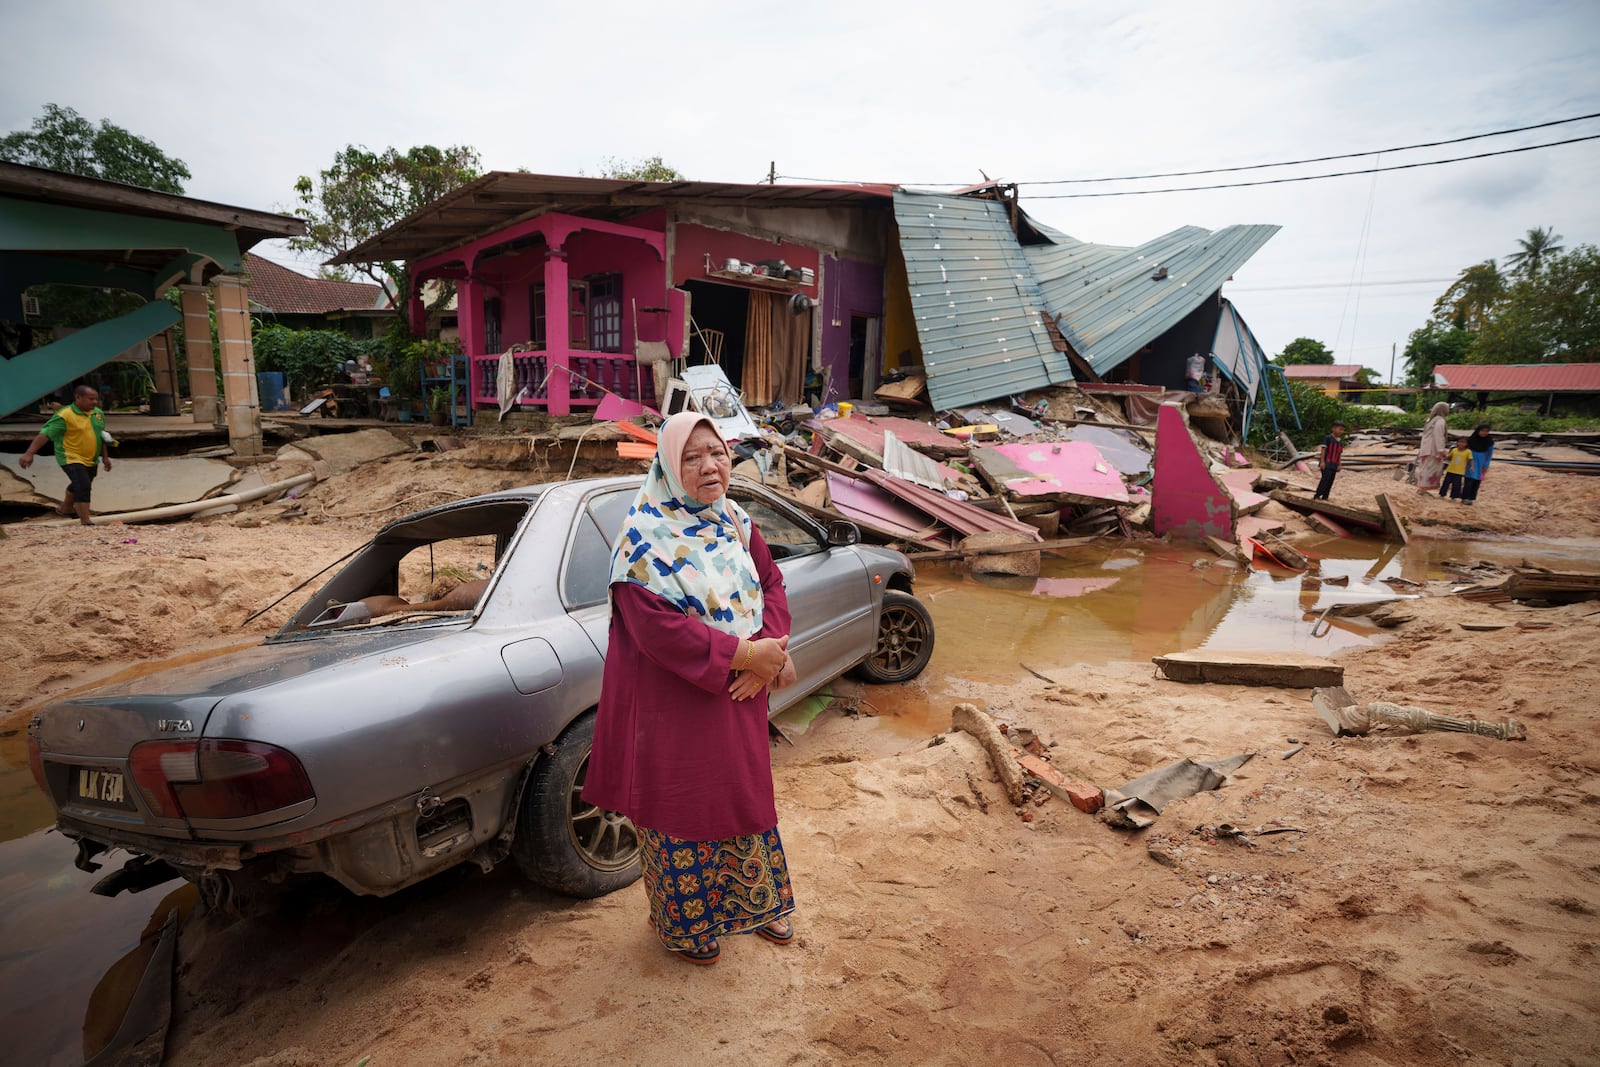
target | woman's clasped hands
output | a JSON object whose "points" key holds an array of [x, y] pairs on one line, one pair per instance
{"points": [[759, 665]]}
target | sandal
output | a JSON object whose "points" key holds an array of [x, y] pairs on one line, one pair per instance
{"points": [[776, 936], [704, 955]]}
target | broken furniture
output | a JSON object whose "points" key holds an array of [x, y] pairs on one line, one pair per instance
{"points": [[1344, 716]]}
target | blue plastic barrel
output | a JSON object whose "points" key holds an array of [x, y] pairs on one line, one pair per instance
{"points": [[269, 384]]}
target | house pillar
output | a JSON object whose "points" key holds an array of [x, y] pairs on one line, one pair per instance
{"points": [[197, 347], [558, 331], [469, 315], [164, 371], [242, 405]]}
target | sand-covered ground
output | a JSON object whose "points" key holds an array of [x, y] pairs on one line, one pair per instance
{"points": [[1432, 899]]}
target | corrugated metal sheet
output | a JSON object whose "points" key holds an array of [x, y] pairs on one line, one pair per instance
{"points": [[1520, 377], [1109, 302], [976, 304], [1322, 371]]}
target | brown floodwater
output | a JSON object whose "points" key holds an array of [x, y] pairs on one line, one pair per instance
{"points": [[67, 957]]}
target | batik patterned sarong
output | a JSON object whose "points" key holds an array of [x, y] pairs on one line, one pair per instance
{"points": [[702, 890]]}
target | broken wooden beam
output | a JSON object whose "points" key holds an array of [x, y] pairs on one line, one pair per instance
{"points": [[1287, 670], [1391, 521], [1370, 520]]}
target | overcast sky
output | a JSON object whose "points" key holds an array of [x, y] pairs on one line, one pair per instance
{"points": [[252, 96]]}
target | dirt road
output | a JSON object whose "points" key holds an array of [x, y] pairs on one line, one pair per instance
{"points": [[1432, 901]]}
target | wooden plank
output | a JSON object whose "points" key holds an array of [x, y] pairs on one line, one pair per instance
{"points": [[1391, 521], [1003, 550], [1288, 670], [1370, 520]]}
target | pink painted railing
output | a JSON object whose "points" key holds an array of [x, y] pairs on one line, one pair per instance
{"points": [[591, 375]]}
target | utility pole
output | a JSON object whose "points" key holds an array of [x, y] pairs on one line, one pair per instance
{"points": [[1391, 363], [772, 172]]}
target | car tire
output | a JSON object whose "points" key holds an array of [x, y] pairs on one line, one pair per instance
{"points": [[905, 641], [563, 842]]}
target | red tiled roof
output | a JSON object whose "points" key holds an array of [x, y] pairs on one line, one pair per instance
{"points": [[279, 289], [1342, 371], [1519, 377]]}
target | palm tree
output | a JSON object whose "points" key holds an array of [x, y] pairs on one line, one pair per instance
{"points": [[1466, 303], [1539, 245]]}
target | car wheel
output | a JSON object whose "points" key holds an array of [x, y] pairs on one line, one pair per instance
{"points": [[905, 641], [563, 842]]}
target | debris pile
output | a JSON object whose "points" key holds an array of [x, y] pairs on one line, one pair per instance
{"points": [[997, 484]]}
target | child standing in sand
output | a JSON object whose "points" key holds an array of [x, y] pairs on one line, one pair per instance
{"points": [[1456, 469]]}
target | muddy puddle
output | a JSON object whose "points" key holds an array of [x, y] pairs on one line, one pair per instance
{"points": [[68, 959], [1118, 602]]}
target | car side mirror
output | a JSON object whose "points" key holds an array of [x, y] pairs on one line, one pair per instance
{"points": [[842, 534]]}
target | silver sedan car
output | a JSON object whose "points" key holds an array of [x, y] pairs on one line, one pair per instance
{"points": [[380, 738]]}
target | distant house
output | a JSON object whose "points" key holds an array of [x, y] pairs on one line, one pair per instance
{"points": [[1527, 381], [809, 291], [1332, 378], [289, 298]]}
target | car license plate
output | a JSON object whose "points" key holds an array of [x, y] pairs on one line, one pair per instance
{"points": [[102, 789]]}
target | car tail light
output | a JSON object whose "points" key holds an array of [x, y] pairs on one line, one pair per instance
{"points": [[216, 779]]}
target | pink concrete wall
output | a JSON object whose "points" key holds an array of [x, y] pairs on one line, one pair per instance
{"points": [[1186, 500], [691, 244]]}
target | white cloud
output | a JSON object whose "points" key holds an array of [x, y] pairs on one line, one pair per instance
{"points": [[251, 98]]}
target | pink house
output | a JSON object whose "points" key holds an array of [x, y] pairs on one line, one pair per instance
{"points": [[573, 275]]}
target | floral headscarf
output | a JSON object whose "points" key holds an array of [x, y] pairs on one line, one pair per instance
{"points": [[691, 553]]}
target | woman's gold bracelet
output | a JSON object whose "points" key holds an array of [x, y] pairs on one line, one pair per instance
{"points": [[749, 654]]}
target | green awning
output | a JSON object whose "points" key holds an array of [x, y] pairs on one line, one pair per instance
{"points": [[29, 376]]}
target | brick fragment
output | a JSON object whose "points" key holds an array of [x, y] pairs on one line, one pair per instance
{"points": [[1086, 797]]}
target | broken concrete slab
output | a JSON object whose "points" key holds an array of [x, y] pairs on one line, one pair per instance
{"points": [[1240, 485], [1024, 564], [130, 485], [866, 434], [343, 452], [1123, 449], [1187, 500], [1074, 470], [1286, 670]]}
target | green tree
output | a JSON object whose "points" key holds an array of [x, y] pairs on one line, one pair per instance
{"points": [[1465, 305], [653, 169], [1551, 315], [61, 139], [1304, 350], [366, 192], [1433, 345], [306, 358], [1536, 248]]}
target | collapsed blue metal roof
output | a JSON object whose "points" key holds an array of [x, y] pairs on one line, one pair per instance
{"points": [[977, 293], [1114, 301], [976, 304]]}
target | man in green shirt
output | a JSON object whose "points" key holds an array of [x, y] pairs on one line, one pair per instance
{"points": [[78, 432]]}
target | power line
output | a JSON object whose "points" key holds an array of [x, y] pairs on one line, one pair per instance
{"points": [[1333, 285], [1318, 177], [1243, 167]]}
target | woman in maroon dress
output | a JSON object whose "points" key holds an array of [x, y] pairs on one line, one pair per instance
{"points": [[699, 625]]}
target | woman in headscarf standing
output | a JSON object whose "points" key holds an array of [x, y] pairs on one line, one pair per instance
{"points": [[1435, 449], [1482, 446], [699, 627]]}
